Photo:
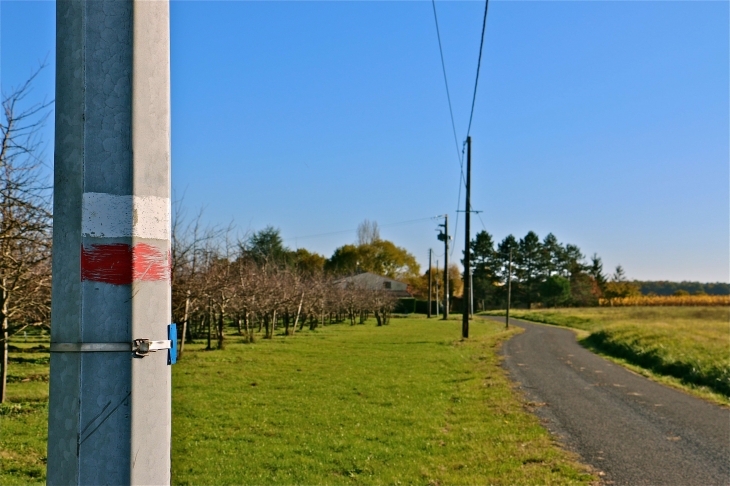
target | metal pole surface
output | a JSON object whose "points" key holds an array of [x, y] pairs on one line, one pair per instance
{"points": [[430, 279], [109, 411], [467, 247], [509, 288], [446, 266]]}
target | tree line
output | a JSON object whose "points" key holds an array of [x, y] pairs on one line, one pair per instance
{"points": [[259, 285], [663, 287], [544, 272]]}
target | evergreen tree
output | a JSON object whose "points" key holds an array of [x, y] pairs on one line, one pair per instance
{"points": [[509, 243], [595, 270], [552, 254], [528, 262], [484, 268], [555, 291], [572, 261], [267, 246], [502, 257]]}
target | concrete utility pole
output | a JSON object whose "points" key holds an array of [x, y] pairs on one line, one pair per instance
{"points": [[445, 238], [109, 410], [430, 279], [467, 247]]}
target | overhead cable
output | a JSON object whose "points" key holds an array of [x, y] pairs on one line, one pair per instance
{"points": [[479, 64], [473, 103], [446, 83], [390, 225]]}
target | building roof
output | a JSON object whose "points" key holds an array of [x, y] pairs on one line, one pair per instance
{"points": [[376, 282]]}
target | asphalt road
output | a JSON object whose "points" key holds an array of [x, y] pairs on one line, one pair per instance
{"points": [[631, 429]]}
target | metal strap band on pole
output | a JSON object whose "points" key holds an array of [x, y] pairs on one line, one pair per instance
{"points": [[90, 347], [137, 346]]}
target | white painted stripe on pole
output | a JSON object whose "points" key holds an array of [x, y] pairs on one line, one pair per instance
{"points": [[114, 216]]}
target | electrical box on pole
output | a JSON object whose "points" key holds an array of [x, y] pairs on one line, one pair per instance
{"points": [[111, 341]]}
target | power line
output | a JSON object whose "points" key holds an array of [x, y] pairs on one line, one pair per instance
{"points": [[456, 226], [479, 64], [446, 83], [480, 219], [460, 155], [390, 225], [473, 103]]}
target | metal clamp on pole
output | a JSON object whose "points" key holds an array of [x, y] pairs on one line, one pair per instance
{"points": [[143, 347], [140, 347]]}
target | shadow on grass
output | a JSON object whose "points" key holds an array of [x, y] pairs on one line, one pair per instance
{"points": [[715, 378]]}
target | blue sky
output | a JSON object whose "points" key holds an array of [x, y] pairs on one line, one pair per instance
{"points": [[606, 123]]}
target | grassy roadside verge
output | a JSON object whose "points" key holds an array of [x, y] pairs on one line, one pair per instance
{"points": [[23, 417], [685, 347], [403, 404]]}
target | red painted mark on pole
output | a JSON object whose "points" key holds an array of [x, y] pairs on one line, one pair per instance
{"points": [[121, 264]]}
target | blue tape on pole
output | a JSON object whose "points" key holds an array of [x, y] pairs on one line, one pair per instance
{"points": [[172, 336]]}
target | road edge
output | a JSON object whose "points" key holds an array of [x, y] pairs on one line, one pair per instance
{"points": [[531, 407], [669, 381]]}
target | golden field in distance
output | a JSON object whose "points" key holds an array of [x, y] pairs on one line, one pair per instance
{"points": [[668, 300]]}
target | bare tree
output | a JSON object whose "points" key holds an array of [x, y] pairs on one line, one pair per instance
{"points": [[367, 232], [216, 283], [193, 243], [382, 304], [25, 218]]}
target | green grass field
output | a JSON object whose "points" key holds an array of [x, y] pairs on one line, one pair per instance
{"points": [[23, 418], [689, 346], [402, 404]]}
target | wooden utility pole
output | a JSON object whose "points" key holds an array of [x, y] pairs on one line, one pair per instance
{"points": [[438, 309], [466, 301], [429, 282], [509, 288], [445, 238]]}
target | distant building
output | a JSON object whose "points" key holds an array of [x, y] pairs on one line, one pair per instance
{"points": [[371, 281]]}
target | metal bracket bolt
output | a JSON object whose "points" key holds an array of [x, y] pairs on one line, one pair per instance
{"points": [[143, 347]]}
